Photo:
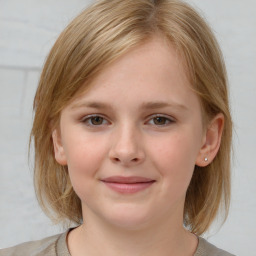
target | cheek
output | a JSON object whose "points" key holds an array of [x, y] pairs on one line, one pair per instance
{"points": [[175, 159], [84, 157]]}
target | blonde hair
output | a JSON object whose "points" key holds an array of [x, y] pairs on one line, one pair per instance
{"points": [[99, 35]]}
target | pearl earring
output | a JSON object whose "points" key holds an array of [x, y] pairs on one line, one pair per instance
{"points": [[205, 159]]}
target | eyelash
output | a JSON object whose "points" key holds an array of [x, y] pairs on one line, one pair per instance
{"points": [[88, 120], [166, 119]]}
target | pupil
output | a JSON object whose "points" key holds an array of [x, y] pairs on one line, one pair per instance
{"points": [[159, 120], [97, 120]]}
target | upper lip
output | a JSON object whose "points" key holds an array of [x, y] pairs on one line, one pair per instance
{"points": [[122, 179]]}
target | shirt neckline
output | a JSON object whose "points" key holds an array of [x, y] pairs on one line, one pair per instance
{"points": [[62, 246]]}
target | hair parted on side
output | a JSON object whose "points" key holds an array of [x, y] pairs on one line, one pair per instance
{"points": [[99, 35]]}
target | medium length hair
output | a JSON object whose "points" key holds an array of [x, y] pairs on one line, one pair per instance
{"points": [[99, 35]]}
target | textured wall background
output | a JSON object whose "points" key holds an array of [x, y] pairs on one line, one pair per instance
{"points": [[28, 29]]}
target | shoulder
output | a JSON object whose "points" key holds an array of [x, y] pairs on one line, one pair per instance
{"points": [[47, 246], [205, 248]]}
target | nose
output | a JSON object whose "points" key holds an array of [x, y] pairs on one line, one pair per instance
{"points": [[127, 147]]}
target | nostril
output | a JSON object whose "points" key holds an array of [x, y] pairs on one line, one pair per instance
{"points": [[134, 160]]}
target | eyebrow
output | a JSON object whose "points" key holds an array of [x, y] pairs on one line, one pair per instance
{"points": [[97, 105], [162, 104], [144, 105]]}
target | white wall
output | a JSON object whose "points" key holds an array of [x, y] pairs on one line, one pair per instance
{"points": [[28, 29]]}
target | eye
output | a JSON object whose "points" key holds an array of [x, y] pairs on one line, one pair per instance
{"points": [[160, 121], [94, 120]]}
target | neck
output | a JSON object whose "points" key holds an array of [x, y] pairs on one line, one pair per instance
{"points": [[95, 238]]}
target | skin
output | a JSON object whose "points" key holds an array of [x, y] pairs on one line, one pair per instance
{"points": [[146, 122]]}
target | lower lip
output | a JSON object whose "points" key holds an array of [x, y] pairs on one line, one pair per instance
{"points": [[128, 188]]}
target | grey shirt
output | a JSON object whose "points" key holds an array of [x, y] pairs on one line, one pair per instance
{"points": [[57, 246]]}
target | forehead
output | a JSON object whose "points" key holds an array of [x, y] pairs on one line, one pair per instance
{"points": [[149, 76], [156, 60]]}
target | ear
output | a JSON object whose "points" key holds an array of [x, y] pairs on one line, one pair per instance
{"points": [[211, 141], [58, 148]]}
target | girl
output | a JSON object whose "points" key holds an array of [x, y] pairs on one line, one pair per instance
{"points": [[132, 133]]}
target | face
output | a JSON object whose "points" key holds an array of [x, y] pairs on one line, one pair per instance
{"points": [[132, 140]]}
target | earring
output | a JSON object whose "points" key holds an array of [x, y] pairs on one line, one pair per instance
{"points": [[205, 159]]}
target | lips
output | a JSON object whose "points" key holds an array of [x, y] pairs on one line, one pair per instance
{"points": [[129, 180], [127, 185]]}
